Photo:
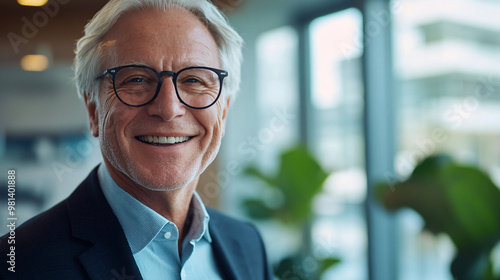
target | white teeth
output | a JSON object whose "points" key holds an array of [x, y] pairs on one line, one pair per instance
{"points": [[163, 139]]}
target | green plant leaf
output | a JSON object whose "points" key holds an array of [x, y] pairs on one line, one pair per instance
{"points": [[300, 178], [292, 267], [256, 209], [475, 201], [284, 269], [458, 200], [328, 263], [255, 172], [474, 262]]}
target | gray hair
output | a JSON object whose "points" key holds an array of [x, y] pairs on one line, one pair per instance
{"points": [[89, 57]]}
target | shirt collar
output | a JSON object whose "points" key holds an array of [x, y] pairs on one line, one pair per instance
{"points": [[142, 224]]}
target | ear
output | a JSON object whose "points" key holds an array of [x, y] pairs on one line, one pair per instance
{"points": [[225, 111], [93, 117]]}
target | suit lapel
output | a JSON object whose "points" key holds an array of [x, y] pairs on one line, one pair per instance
{"points": [[228, 252], [92, 220]]}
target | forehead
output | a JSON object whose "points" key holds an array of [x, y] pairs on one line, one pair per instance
{"points": [[173, 36]]}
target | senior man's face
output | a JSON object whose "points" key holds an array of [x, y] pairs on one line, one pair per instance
{"points": [[170, 40]]}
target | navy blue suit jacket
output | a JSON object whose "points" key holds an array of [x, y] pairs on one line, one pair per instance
{"points": [[81, 238]]}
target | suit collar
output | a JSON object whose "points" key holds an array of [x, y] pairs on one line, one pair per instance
{"points": [[92, 220], [228, 251]]}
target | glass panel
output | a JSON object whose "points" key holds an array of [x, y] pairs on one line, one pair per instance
{"points": [[336, 130], [277, 115], [277, 92], [447, 63]]}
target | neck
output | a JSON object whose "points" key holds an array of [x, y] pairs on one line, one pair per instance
{"points": [[171, 204]]}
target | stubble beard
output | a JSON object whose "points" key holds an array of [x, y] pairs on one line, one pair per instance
{"points": [[153, 183]]}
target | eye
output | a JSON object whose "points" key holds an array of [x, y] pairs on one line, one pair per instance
{"points": [[136, 80], [192, 80], [134, 76]]}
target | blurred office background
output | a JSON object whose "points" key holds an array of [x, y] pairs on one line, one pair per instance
{"points": [[370, 87]]}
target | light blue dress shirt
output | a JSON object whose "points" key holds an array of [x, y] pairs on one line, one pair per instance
{"points": [[153, 239]]}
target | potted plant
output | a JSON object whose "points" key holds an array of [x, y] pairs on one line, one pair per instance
{"points": [[458, 200]]}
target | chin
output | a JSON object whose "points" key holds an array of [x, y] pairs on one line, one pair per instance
{"points": [[160, 181]]}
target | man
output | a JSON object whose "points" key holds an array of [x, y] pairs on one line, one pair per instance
{"points": [[157, 79]]}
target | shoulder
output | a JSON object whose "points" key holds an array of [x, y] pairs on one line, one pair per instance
{"points": [[35, 233], [231, 230], [42, 242], [51, 225], [44, 245], [221, 220], [237, 237]]}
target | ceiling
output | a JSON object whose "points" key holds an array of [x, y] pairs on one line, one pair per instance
{"points": [[52, 29], [28, 30]]}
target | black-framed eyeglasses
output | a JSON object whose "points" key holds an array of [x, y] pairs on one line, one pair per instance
{"points": [[197, 87]]}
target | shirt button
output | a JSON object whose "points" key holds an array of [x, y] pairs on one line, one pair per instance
{"points": [[167, 235]]}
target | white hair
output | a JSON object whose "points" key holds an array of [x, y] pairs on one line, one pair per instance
{"points": [[89, 57]]}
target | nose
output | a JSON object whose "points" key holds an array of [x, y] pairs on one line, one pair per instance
{"points": [[166, 104]]}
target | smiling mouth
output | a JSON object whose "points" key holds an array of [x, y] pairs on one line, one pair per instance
{"points": [[162, 140]]}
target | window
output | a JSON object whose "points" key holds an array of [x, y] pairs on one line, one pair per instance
{"points": [[335, 129], [446, 63], [277, 91]]}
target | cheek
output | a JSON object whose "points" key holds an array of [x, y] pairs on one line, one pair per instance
{"points": [[212, 121], [220, 122], [114, 114]]}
